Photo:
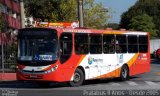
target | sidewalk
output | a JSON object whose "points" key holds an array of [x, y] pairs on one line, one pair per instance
{"points": [[8, 81], [8, 77]]}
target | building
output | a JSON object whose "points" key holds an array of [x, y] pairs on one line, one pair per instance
{"points": [[10, 12]]}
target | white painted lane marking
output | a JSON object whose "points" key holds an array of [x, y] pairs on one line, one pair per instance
{"points": [[115, 84], [132, 83], [150, 83]]}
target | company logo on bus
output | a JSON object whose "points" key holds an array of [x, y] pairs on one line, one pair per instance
{"points": [[91, 60]]}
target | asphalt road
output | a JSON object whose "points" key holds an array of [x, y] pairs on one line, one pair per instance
{"points": [[148, 82]]}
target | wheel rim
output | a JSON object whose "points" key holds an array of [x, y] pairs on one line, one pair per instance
{"points": [[124, 73], [77, 77]]}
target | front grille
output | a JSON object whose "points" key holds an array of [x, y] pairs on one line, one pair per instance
{"points": [[33, 72], [35, 77]]}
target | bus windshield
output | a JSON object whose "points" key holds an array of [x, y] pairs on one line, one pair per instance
{"points": [[38, 48]]}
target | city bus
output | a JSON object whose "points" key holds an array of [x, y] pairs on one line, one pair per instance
{"points": [[47, 55]]}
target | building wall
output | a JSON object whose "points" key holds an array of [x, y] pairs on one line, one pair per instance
{"points": [[10, 10]]}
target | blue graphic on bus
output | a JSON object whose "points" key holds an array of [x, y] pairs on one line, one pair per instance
{"points": [[43, 57], [36, 57], [90, 60], [121, 58]]}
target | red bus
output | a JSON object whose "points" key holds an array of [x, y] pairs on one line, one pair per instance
{"points": [[74, 55]]}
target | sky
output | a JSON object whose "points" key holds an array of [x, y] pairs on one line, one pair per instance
{"points": [[117, 7]]}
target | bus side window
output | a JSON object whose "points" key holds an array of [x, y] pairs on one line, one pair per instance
{"points": [[65, 47], [132, 44], [121, 46], [95, 44], [108, 43], [143, 43], [81, 43]]}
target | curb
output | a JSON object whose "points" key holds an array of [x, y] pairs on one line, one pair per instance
{"points": [[7, 81]]}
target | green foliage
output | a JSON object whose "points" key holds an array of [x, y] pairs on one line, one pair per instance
{"points": [[40, 9], [51, 10], [143, 23], [3, 24], [149, 7], [114, 26], [66, 11], [95, 15]]}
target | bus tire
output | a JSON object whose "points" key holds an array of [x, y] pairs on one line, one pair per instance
{"points": [[124, 75], [78, 78]]}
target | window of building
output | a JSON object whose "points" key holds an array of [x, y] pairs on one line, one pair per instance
{"points": [[143, 43], [95, 43], [121, 45], [108, 43], [81, 43], [16, 0], [132, 44], [3, 9], [65, 46]]}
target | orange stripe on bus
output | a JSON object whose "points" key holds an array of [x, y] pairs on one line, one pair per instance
{"points": [[114, 32], [131, 61], [80, 60], [116, 72]]}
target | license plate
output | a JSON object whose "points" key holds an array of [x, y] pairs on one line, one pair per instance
{"points": [[33, 76]]}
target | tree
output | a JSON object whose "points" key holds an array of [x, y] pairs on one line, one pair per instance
{"points": [[143, 23], [114, 26], [3, 24], [95, 15], [66, 11], [149, 7], [40, 9]]}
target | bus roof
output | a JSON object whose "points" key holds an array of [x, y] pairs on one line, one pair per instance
{"points": [[85, 30], [107, 31]]}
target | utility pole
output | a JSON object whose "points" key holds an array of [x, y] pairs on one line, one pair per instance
{"points": [[2, 54], [2, 57], [80, 12], [22, 14]]}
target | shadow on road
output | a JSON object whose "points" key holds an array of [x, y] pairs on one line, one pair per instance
{"points": [[30, 85], [155, 61]]}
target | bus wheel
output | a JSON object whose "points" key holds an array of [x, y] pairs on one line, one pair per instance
{"points": [[78, 78], [124, 75]]}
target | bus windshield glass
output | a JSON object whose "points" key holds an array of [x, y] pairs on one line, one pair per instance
{"points": [[38, 49]]}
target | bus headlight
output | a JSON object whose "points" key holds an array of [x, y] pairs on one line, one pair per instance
{"points": [[52, 69]]}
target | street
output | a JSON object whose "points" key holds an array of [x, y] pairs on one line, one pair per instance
{"points": [[147, 81]]}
